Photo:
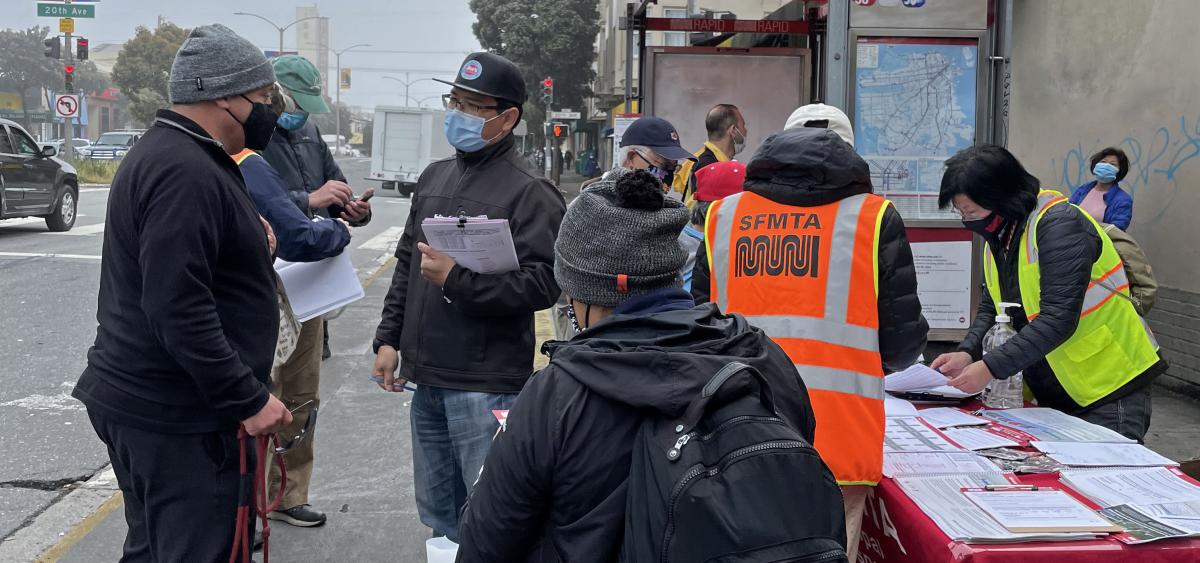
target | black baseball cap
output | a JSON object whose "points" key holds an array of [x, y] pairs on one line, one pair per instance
{"points": [[491, 75], [658, 135]]}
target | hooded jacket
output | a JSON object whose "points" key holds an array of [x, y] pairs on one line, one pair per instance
{"points": [[809, 171], [304, 163], [553, 486]]}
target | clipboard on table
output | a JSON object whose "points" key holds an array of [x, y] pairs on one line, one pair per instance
{"points": [[1031, 510]]}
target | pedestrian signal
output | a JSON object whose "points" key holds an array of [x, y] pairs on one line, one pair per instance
{"points": [[81, 49]]}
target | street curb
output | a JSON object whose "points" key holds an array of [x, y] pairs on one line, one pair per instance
{"points": [[56, 530]]}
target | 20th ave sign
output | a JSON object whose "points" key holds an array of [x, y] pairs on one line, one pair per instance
{"points": [[45, 10], [797, 27]]}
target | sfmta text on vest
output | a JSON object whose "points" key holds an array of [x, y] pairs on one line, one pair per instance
{"points": [[780, 221]]}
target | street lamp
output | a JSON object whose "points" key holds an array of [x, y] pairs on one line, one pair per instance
{"points": [[337, 109], [421, 102], [276, 26], [406, 82]]}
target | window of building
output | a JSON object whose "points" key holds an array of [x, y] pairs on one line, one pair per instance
{"points": [[675, 38]]}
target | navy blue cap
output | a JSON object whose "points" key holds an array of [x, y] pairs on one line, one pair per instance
{"points": [[658, 135], [491, 75]]}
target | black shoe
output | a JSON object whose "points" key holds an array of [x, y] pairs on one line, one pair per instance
{"points": [[257, 546], [302, 515], [325, 353]]}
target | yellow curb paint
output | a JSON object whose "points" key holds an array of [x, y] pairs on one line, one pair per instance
{"points": [[81, 530]]}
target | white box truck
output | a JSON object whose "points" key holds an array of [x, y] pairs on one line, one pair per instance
{"points": [[404, 141]]}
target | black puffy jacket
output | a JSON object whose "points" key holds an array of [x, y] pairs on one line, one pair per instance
{"points": [[553, 486], [304, 162], [1068, 245], [807, 168]]}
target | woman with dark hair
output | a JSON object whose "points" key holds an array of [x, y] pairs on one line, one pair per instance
{"points": [[1080, 343], [1103, 197]]}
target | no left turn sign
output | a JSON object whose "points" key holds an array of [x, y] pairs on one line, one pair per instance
{"points": [[66, 105]]}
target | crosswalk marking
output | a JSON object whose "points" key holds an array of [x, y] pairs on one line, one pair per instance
{"points": [[48, 255], [385, 241], [21, 221], [84, 231]]}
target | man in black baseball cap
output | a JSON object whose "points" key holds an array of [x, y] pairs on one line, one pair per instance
{"points": [[467, 337], [652, 144]]}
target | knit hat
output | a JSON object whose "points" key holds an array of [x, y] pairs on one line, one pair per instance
{"points": [[620, 239], [719, 180], [214, 63], [829, 117]]}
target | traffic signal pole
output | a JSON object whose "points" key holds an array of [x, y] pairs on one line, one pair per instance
{"points": [[69, 135]]}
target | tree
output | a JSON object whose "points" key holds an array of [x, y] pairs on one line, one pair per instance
{"points": [[144, 66], [327, 122], [554, 38], [23, 67]]}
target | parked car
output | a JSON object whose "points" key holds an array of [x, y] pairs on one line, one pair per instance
{"points": [[114, 144], [82, 146], [33, 183]]}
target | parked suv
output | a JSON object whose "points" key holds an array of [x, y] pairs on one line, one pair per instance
{"points": [[33, 183], [114, 144]]}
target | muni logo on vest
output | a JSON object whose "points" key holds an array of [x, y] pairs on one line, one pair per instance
{"points": [[778, 255]]}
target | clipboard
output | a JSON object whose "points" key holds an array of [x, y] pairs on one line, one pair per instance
{"points": [[1031, 510]]}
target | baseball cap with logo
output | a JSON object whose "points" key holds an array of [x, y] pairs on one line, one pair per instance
{"points": [[658, 135], [303, 81], [491, 75]]}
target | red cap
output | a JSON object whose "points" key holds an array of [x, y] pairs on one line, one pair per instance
{"points": [[719, 180]]}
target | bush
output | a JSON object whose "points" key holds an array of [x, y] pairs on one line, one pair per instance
{"points": [[96, 171]]}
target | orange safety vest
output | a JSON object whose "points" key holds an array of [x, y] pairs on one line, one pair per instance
{"points": [[242, 156], [807, 276]]}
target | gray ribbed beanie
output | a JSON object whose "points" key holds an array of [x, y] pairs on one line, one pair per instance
{"points": [[620, 239], [213, 63]]}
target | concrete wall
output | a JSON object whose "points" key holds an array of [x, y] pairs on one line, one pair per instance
{"points": [[1093, 73]]}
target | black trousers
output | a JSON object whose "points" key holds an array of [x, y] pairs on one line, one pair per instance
{"points": [[181, 491]]}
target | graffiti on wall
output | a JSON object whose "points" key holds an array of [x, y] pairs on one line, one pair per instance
{"points": [[1155, 161]]}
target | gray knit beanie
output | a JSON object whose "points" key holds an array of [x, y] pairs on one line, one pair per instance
{"points": [[213, 63], [620, 239]]}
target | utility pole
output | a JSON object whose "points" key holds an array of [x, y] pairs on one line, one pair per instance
{"points": [[69, 136], [279, 28], [337, 104]]}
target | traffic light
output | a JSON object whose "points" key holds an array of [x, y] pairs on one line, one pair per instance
{"points": [[69, 78], [548, 90], [53, 47], [560, 130], [81, 49]]}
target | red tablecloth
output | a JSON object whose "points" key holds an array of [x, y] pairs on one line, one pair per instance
{"points": [[895, 529]]}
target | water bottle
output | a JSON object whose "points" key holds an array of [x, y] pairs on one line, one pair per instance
{"points": [[1003, 393]]}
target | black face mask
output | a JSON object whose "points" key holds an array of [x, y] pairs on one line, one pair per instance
{"points": [[988, 227], [258, 126]]}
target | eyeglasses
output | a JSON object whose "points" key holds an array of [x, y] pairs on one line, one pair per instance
{"points": [[308, 426], [451, 103], [669, 167]]}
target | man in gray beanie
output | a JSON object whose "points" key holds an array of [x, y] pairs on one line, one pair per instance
{"points": [[553, 486], [187, 292]]}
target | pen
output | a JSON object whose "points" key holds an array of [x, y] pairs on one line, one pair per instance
{"points": [[1011, 488]]}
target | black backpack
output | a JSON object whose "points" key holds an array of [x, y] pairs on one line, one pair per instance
{"points": [[730, 481]]}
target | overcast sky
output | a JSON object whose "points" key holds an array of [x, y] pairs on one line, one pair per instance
{"points": [[396, 25]]}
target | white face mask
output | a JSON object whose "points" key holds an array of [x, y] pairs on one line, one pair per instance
{"points": [[738, 146]]}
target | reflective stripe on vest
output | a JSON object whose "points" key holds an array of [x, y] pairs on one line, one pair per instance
{"points": [[242, 156], [1112, 344], [807, 276]]}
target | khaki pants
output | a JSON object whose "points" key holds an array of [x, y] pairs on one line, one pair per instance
{"points": [[297, 381], [854, 498]]}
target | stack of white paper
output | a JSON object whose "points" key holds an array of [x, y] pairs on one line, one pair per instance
{"points": [[1054, 426], [912, 435], [920, 378], [1101, 455], [1111, 487], [946, 417], [977, 439], [1046, 510], [315, 288], [898, 464], [897, 407], [478, 244], [1141, 526]]}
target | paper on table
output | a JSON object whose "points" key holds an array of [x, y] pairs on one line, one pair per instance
{"points": [[316, 288], [1110, 487], [940, 497], [896, 464], [911, 435], [1054, 426], [977, 439], [895, 406], [1101, 455], [1039, 511], [916, 377], [945, 417], [478, 244], [1183, 510], [1142, 528]]}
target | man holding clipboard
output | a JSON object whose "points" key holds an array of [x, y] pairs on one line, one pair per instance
{"points": [[466, 337]]}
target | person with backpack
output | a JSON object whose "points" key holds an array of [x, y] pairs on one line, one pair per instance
{"points": [[1080, 343], [657, 423]]}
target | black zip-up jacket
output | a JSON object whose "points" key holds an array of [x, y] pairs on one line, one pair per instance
{"points": [[809, 168], [1068, 245], [187, 307], [303, 161], [553, 487], [476, 333]]}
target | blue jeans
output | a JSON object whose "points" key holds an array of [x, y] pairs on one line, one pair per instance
{"points": [[451, 432]]}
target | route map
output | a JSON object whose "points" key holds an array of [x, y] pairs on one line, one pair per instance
{"points": [[914, 107]]}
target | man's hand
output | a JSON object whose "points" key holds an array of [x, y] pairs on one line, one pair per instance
{"points": [[272, 243], [269, 419], [952, 364], [386, 362], [358, 209], [332, 192], [435, 266], [973, 378]]}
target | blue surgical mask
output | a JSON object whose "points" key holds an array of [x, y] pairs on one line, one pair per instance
{"points": [[1105, 172], [465, 131], [292, 120]]}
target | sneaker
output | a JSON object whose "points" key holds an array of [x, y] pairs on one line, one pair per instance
{"points": [[325, 352], [302, 515]]}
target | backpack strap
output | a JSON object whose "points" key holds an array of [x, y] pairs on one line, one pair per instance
{"points": [[699, 405]]}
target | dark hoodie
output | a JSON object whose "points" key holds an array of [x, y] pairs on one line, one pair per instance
{"points": [[808, 167], [553, 486]]}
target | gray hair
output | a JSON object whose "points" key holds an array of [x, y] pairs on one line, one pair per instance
{"points": [[627, 148]]}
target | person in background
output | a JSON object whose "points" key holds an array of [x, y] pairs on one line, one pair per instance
{"points": [[726, 128], [187, 308], [1103, 197], [652, 144], [1080, 343], [821, 116], [809, 255], [713, 182], [554, 485], [467, 337]]}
